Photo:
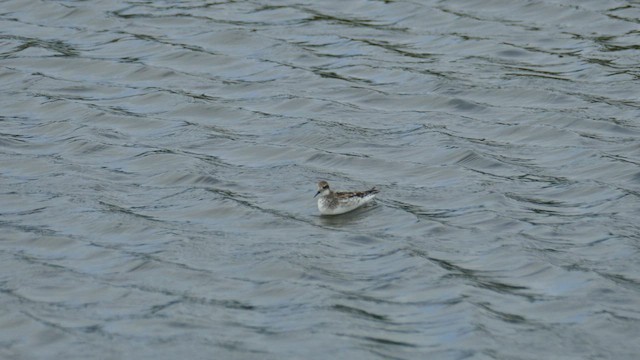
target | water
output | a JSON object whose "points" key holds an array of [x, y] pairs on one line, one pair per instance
{"points": [[158, 162]]}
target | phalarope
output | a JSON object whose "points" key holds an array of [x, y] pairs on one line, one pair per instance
{"points": [[335, 203]]}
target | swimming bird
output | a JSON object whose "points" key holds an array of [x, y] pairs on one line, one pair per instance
{"points": [[335, 203]]}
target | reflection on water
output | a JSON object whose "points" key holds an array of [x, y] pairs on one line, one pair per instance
{"points": [[159, 161]]}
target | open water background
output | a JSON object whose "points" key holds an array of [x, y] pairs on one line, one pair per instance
{"points": [[158, 161]]}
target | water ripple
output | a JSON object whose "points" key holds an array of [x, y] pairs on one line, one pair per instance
{"points": [[159, 161]]}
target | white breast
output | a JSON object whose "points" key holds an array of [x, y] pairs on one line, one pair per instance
{"points": [[344, 205]]}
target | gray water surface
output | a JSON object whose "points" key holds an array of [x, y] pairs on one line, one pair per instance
{"points": [[158, 161]]}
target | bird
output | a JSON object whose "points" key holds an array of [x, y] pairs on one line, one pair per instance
{"points": [[335, 203]]}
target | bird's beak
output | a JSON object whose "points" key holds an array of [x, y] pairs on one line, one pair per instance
{"points": [[319, 191]]}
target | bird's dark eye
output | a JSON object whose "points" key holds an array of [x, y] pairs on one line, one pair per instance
{"points": [[325, 187]]}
